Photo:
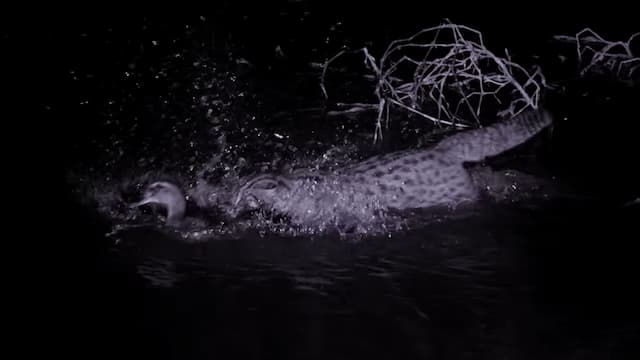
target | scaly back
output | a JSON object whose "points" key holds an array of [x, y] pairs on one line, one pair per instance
{"points": [[476, 145]]}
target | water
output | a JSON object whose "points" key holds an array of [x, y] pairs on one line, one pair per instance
{"points": [[542, 277], [514, 283]]}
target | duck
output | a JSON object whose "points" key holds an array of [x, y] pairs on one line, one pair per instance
{"points": [[169, 196]]}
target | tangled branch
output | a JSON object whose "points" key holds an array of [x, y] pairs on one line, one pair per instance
{"points": [[446, 75], [600, 56]]}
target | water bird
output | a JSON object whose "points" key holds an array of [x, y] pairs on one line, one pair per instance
{"points": [[170, 197]]}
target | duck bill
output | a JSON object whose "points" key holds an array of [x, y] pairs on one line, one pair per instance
{"points": [[142, 202]]}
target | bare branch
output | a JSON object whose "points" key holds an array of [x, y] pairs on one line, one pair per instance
{"points": [[600, 56], [444, 73]]}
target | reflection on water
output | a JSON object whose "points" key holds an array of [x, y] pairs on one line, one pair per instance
{"points": [[492, 284]]}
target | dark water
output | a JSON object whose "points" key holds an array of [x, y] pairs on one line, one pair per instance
{"points": [[512, 283], [537, 279]]}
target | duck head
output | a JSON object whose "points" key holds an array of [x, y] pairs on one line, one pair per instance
{"points": [[167, 195]]}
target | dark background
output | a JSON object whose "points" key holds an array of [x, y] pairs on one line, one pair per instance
{"points": [[599, 153]]}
